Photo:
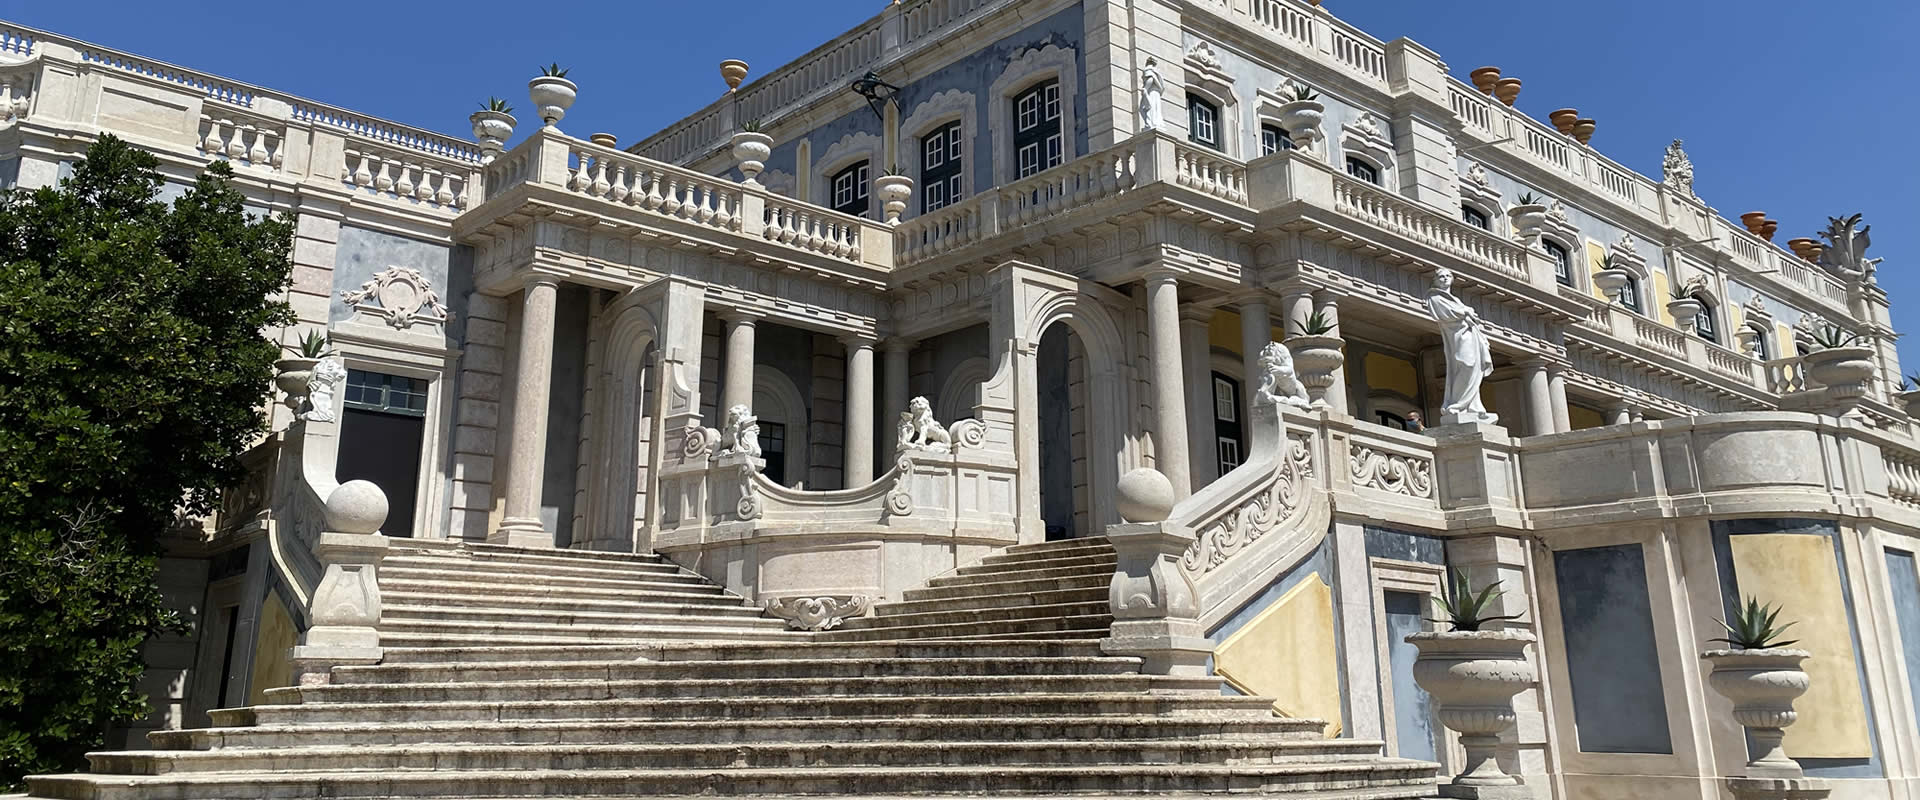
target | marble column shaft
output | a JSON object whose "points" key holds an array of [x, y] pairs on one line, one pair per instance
{"points": [[736, 387], [1195, 348], [1169, 381], [527, 455], [859, 412]]}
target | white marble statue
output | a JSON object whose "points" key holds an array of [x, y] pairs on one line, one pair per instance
{"points": [[741, 436], [328, 376], [1278, 382], [920, 431], [1151, 88], [1469, 357], [1676, 170], [1846, 251]]}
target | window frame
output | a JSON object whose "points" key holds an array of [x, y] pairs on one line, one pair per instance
{"points": [[940, 173], [1280, 138], [1038, 139], [860, 195], [1204, 123], [1563, 261], [1373, 170], [1468, 212]]}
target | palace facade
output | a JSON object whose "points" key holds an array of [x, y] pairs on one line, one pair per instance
{"points": [[888, 349]]}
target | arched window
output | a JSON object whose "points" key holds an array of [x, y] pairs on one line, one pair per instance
{"points": [[1363, 170], [1562, 261], [1203, 122], [1475, 217], [850, 189], [1273, 139], [1703, 325], [1630, 294], [940, 160], [1037, 139]]}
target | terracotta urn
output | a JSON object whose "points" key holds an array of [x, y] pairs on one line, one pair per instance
{"points": [[1843, 372], [295, 377], [553, 96], [1753, 220], [1762, 685], [1563, 119], [492, 129], [1583, 130], [1685, 311], [1472, 677], [1484, 78], [604, 140], [1814, 252], [1528, 220], [1508, 90], [1315, 358], [1302, 118], [750, 149], [1612, 281], [733, 71], [1800, 246], [893, 191], [1768, 228]]}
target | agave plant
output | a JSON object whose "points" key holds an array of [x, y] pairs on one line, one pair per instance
{"points": [[496, 104], [1831, 336], [1465, 609], [750, 126], [552, 71], [1528, 199], [1755, 627], [1680, 291], [1315, 324], [1910, 382], [313, 345], [1304, 92], [1609, 261]]}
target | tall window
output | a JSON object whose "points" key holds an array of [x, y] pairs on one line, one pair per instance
{"points": [[1037, 139], [1630, 294], [940, 159], [1703, 324], [773, 448], [1228, 431], [381, 430], [850, 190], [1363, 170], [1203, 122], [1562, 261], [1762, 349], [1475, 217], [1273, 140]]}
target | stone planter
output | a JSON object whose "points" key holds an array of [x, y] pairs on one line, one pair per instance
{"points": [[1753, 220], [1528, 220], [1844, 371], [295, 377], [1563, 120], [1507, 89], [1685, 311], [733, 71], [492, 129], [1472, 677], [1302, 118], [1762, 685], [1768, 228], [1612, 281], [1748, 339], [1583, 130], [751, 149], [1910, 401], [552, 96], [893, 191], [1801, 247], [1315, 358], [1484, 78]]}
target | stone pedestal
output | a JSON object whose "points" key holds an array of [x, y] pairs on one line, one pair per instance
{"points": [[1155, 608], [1778, 788]]}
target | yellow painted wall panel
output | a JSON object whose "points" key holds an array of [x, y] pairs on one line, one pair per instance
{"points": [[1595, 253], [1581, 417], [1660, 298], [1224, 332], [272, 667], [1390, 373], [1798, 573], [1286, 652]]}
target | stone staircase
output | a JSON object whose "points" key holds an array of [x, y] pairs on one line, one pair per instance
{"points": [[572, 675]]}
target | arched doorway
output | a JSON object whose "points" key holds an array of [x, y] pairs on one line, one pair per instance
{"points": [[1062, 417]]}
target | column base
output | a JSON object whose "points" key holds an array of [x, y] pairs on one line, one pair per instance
{"points": [[521, 533], [1464, 792], [1778, 788]]}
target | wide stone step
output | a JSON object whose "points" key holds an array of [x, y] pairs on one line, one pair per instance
{"points": [[436, 639], [736, 688], [461, 566], [982, 615], [1017, 575], [792, 650], [490, 581], [430, 548], [1074, 704], [1100, 560], [665, 614], [508, 593], [1044, 584], [717, 605], [1382, 779], [613, 632], [1243, 750], [993, 601], [1079, 625], [1052, 550], [737, 668], [833, 731]]}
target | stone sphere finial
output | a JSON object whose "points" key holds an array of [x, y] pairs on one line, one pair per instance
{"points": [[356, 507], [1145, 495]]}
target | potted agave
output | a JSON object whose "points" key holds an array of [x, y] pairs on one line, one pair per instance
{"points": [[1910, 395], [893, 188], [1611, 277], [1301, 116], [1684, 306], [1762, 676], [751, 148], [493, 125], [1528, 215], [1473, 674], [552, 93], [1317, 352], [1839, 364], [294, 375]]}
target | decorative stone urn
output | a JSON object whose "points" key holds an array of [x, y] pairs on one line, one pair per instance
{"points": [[1301, 119], [1910, 401], [1528, 220], [751, 149], [1753, 220], [492, 129], [1748, 339], [1612, 281], [1583, 130], [1768, 228], [295, 377], [1844, 371], [1314, 359], [1484, 78], [1685, 311], [1762, 685], [1801, 247], [1472, 677], [552, 96], [894, 191], [1507, 89], [733, 71], [1563, 119]]}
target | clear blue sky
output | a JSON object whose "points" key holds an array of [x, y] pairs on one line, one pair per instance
{"points": [[1800, 110]]}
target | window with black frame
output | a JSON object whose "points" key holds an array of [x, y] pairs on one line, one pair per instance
{"points": [[1363, 170], [1703, 325], [1475, 217], [1203, 122], [849, 190], [1562, 261], [773, 448], [1038, 142], [1630, 294], [940, 165], [1273, 140], [1228, 430]]}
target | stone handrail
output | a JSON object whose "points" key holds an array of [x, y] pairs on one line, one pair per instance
{"points": [[1210, 171], [1734, 365], [620, 177], [1377, 206], [810, 227], [1060, 190], [1391, 461], [1659, 338]]}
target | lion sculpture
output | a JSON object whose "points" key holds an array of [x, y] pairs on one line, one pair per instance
{"points": [[741, 436], [920, 431], [1278, 382]]}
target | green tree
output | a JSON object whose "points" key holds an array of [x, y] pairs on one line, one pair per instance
{"points": [[133, 372]]}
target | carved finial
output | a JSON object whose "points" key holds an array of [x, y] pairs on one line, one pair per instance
{"points": [[1676, 170]]}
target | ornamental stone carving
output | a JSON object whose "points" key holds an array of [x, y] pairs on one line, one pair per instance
{"points": [[328, 375], [918, 429], [1279, 383], [1676, 170], [399, 296], [741, 436], [1846, 251], [817, 613], [1391, 472], [1235, 530]]}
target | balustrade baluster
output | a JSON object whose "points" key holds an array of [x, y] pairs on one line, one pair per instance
{"points": [[404, 186], [363, 175], [619, 189], [443, 190], [257, 154], [384, 179], [600, 185], [236, 146]]}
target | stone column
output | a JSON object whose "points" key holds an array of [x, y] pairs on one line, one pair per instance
{"points": [[1256, 329], [1620, 415], [1539, 397], [736, 386], [1195, 348], [1329, 306], [897, 372], [1169, 391], [527, 455], [1557, 394], [859, 411]]}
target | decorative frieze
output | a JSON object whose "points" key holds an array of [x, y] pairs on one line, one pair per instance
{"points": [[399, 296], [1220, 539], [1391, 472]]}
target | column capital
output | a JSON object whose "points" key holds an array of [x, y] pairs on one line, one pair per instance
{"points": [[898, 343], [741, 316], [857, 340], [1161, 275], [1197, 314]]}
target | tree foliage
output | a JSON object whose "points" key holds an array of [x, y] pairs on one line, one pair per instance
{"points": [[133, 372]]}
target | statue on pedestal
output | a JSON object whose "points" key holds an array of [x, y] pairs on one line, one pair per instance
{"points": [[1469, 357], [1151, 87]]}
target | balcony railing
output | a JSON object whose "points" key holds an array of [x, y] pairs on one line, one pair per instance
{"points": [[1372, 204]]}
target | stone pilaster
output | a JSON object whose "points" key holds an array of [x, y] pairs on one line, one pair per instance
{"points": [[477, 417]]}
